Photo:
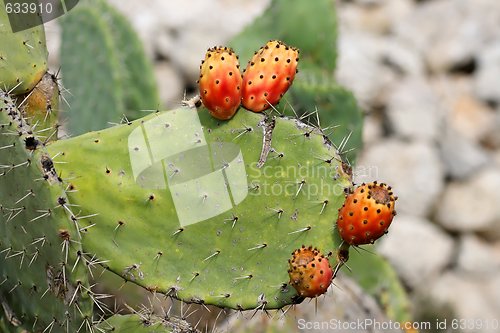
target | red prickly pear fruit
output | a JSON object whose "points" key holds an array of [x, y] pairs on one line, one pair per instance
{"points": [[220, 82], [310, 272], [268, 75], [366, 213]]}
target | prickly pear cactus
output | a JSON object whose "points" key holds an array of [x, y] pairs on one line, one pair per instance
{"points": [[144, 323], [193, 210], [43, 281], [117, 82], [23, 55]]}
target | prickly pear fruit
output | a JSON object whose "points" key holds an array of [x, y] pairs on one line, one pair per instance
{"points": [[366, 213], [310, 272], [220, 82], [268, 75]]}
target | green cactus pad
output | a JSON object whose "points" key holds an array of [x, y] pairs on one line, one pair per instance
{"points": [[117, 82], [167, 221], [23, 55], [378, 278], [310, 28], [40, 284]]}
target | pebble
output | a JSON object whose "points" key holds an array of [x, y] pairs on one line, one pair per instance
{"points": [[170, 84], [473, 204], [486, 79], [476, 256], [467, 297], [470, 25], [461, 156], [414, 111], [429, 248]]}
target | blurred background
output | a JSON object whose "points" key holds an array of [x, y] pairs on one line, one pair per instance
{"points": [[427, 75]]}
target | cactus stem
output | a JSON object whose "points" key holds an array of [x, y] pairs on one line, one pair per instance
{"points": [[267, 124], [300, 230], [216, 253], [260, 246]]}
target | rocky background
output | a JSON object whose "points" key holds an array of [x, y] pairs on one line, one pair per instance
{"points": [[427, 73]]}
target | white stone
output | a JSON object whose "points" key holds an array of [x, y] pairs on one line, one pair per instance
{"points": [[467, 297], [461, 156], [466, 114], [472, 205], [470, 25], [413, 169], [477, 256], [53, 39], [418, 249], [358, 67], [372, 129], [373, 16], [170, 85], [486, 79], [414, 111], [189, 28]]}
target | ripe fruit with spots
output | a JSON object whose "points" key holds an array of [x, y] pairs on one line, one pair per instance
{"points": [[268, 75], [310, 272], [220, 82], [366, 213]]}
